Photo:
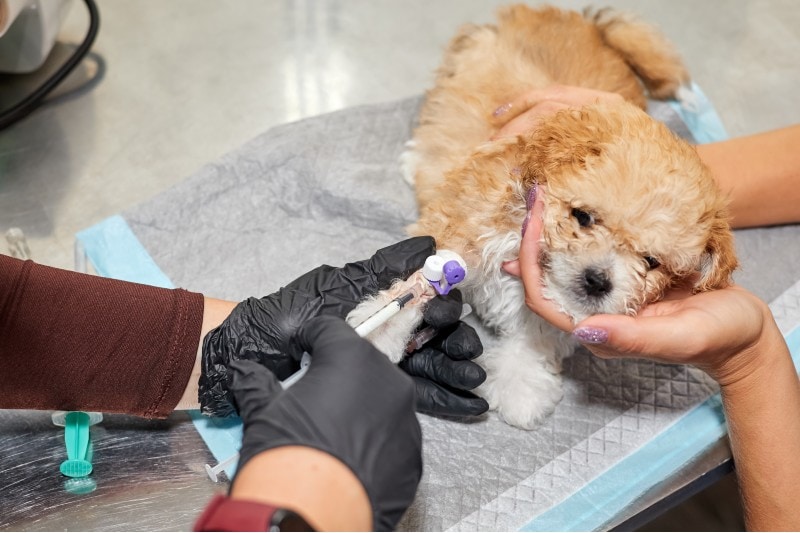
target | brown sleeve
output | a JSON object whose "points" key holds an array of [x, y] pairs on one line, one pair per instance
{"points": [[78, 342]]}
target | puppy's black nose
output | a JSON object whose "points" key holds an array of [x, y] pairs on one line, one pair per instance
{"points": [[596, 282]]}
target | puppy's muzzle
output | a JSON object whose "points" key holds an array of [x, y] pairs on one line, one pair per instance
{"points": [[596, 283]]}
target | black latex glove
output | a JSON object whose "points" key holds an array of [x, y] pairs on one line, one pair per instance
{"points": [[353, 404], [262, 329], [442, 369]]}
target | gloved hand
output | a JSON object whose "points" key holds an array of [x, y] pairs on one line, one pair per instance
{"points": [[442, 369], [353, 404], [262, 329]]}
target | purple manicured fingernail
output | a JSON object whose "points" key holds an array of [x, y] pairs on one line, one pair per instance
{"points": [[531, 196], [529, 201], [589, 335], [502, 110]]}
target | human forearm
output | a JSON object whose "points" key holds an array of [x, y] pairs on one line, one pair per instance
{"points": [[761, 173], [733, 336], [312, 483], [763, 414], [78, 342]]}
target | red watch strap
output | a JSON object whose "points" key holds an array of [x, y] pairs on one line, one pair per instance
{"points": [[224, 514]]}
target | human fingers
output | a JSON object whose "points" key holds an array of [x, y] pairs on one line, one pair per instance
{"points": [[437, 400], [435, 365], [703, 329], [449, 334], [400, 260], [660, 338], [528, 119], [512, 109], [253, 387], [443, 384], [527, 110], [338, 290], [569, 95], [442, 371], [527, 268], [460, 342], [444, 310]]}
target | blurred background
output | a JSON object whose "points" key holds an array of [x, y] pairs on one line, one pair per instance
{"points": [[170, 86]]}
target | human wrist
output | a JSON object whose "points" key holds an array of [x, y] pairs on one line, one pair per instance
{"points": [[751, 363], [256, 329], [312, 483], [226, 514], [214, 313]]}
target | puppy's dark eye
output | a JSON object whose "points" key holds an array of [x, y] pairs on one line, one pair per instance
{"points": [[652, 262], [584, 219]]}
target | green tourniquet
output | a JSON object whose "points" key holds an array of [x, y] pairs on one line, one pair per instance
{"points": [[76, 436]]}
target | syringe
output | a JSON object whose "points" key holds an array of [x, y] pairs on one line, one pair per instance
{"points": [[379, 318], [213, 471]]}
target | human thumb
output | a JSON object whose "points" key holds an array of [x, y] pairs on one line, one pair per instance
{"points": [[610, 335], [625, 336]]}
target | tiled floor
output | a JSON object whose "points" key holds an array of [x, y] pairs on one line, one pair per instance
{"points": [[180, 83]]}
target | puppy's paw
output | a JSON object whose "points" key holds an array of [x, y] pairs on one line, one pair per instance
{"points": [[687, 99], [409, 162], [520, 389], [525, 403], [528, 411]]}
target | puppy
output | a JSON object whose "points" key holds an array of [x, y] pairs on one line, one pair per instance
{"points": [[630, 210]]}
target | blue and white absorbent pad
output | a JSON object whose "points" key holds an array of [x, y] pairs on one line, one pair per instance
{"points": [[329, 190]]}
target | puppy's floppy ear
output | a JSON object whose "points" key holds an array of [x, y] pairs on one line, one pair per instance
{"points": [[568, 138], [719, 260]]}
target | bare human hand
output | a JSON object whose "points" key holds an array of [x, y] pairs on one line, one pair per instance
{"points": [[720, 332], [526, 111]]}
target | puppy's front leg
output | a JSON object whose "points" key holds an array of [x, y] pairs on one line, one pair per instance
{"points": [[392, 336], [522, 382]]}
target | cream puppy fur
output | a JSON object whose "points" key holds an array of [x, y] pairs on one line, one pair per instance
{"points": [[629, 208]]}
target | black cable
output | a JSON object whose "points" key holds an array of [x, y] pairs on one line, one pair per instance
{"points": [[33, 100]]}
